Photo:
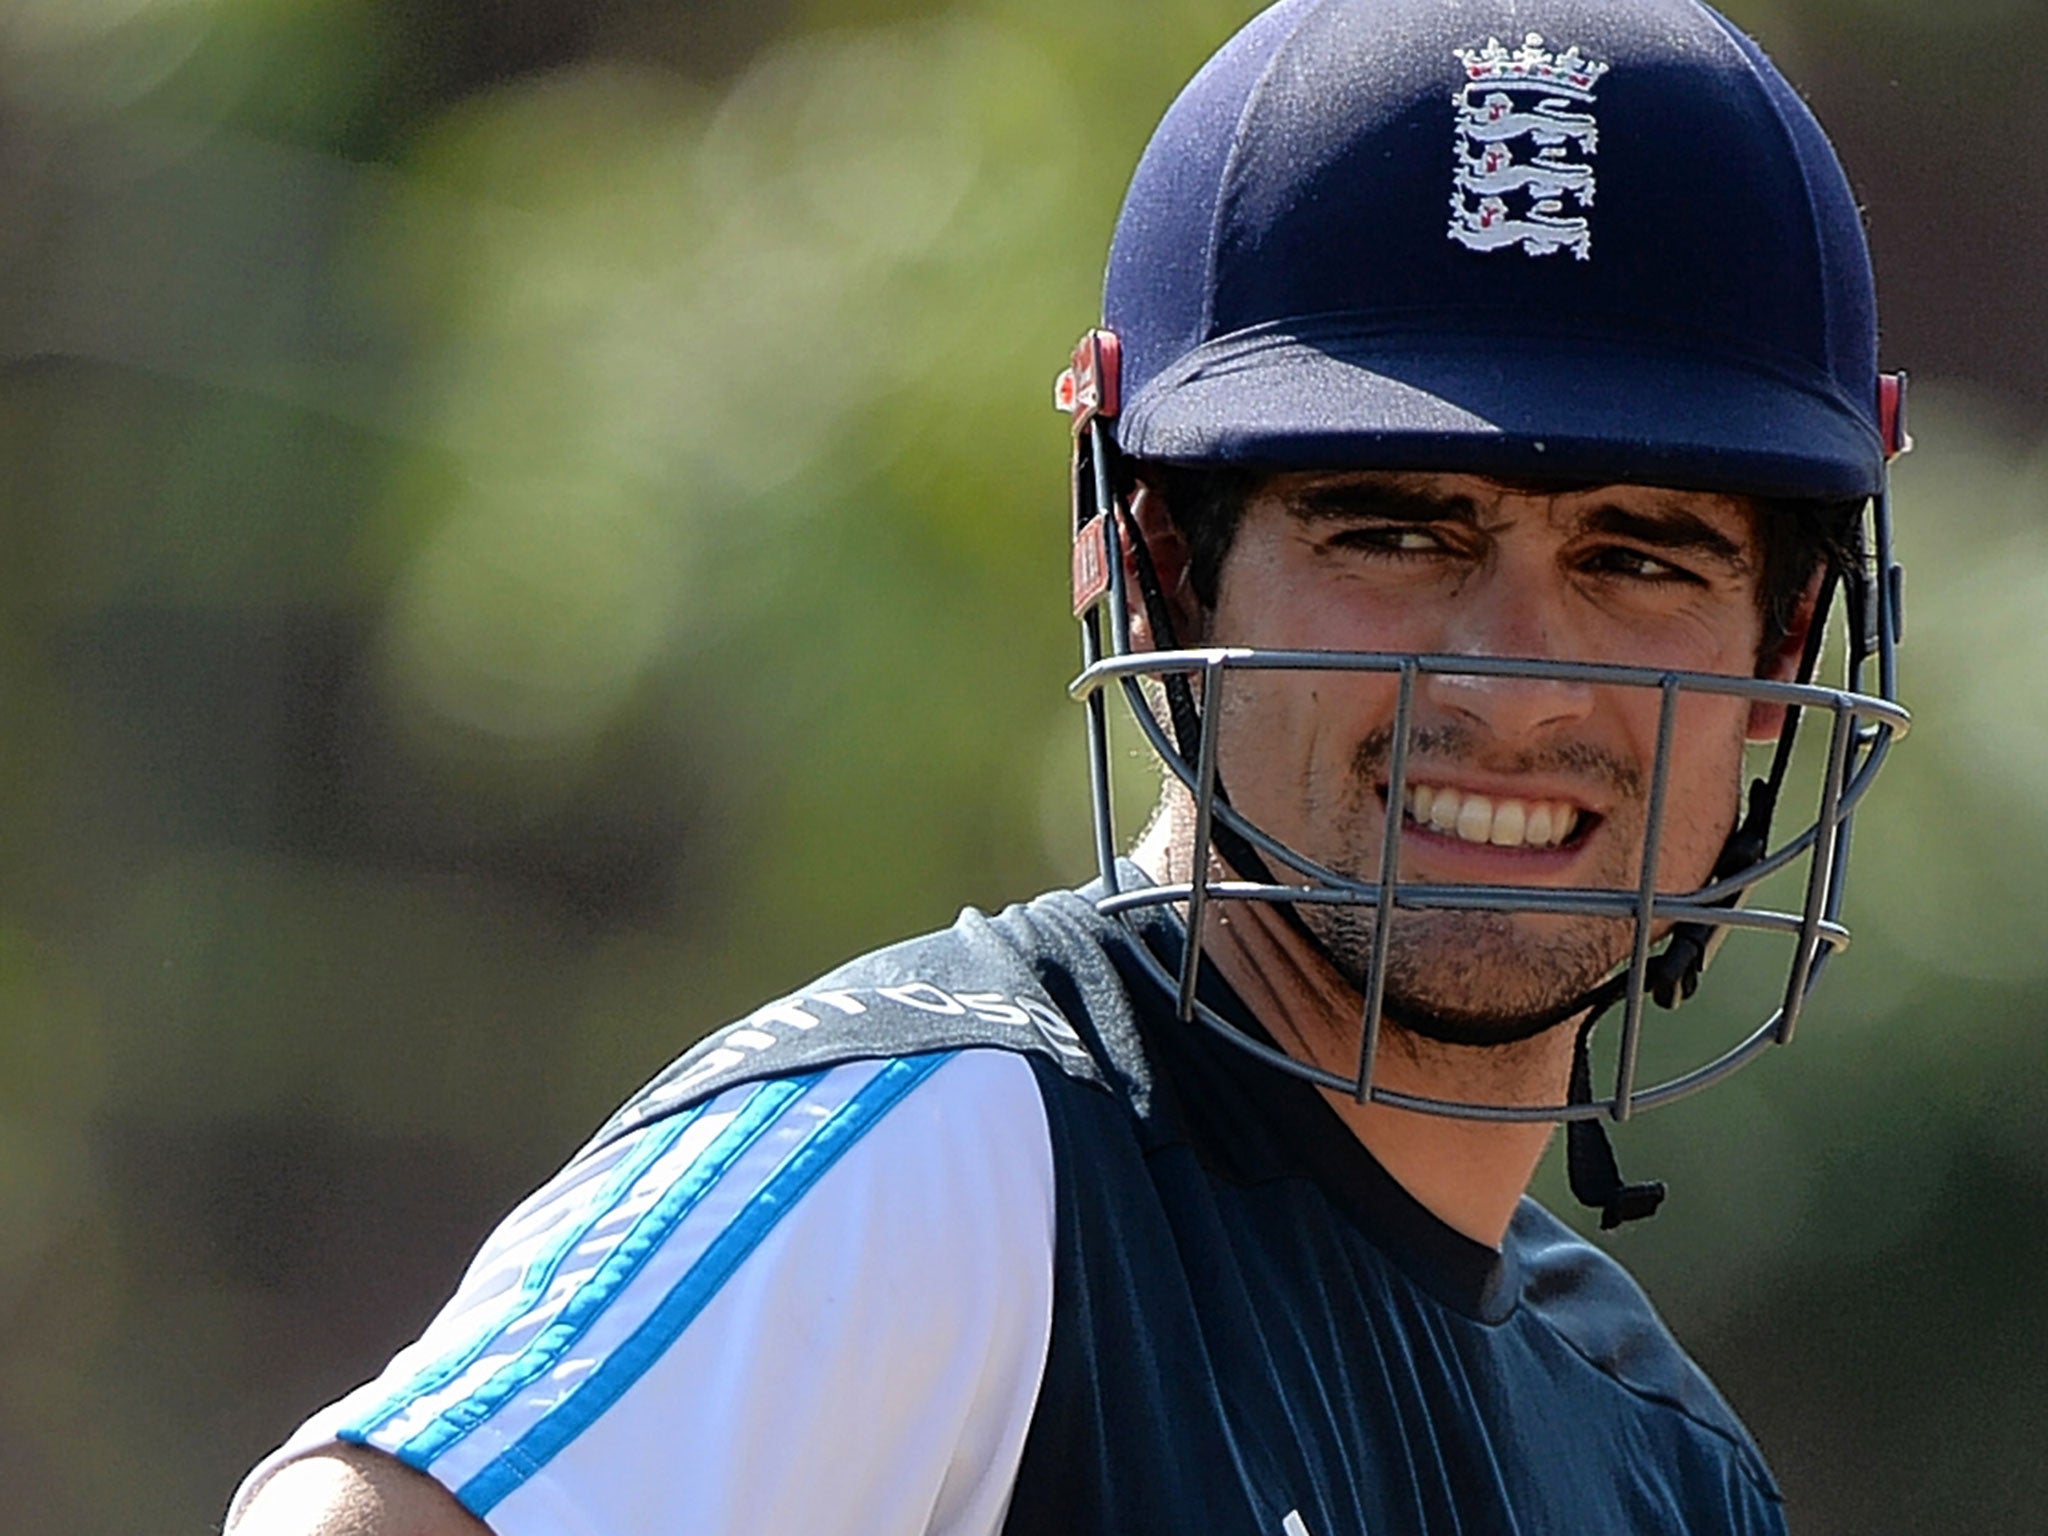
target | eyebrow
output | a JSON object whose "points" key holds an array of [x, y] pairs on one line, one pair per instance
{"points": [[1389, 503], [1670, 526]]}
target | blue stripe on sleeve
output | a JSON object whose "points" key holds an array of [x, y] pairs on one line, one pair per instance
{"points": [[632, 1359], [533, 1283], [458, 1420]]}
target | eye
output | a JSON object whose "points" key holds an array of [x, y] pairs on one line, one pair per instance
{"points": [[1394, 539], [1632, 564]]}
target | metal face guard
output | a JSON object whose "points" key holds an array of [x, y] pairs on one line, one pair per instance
{"points": [[1861, 728]]}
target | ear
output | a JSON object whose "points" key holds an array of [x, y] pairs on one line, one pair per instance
{"points": [[1767, 721], [1169, 553]]}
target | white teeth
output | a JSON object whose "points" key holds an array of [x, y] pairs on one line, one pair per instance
{"points": [[1443, 815], [1508, 820], [1484, 819], [1475, 819]]}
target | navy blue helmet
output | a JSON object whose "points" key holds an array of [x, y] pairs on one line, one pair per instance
{"points": [[1572, 242]]}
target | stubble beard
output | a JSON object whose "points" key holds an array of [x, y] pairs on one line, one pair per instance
{"points": [[1477, 978]]}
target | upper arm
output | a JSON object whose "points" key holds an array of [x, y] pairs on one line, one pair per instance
{"points": [[816, 1304], [348, 1491]]}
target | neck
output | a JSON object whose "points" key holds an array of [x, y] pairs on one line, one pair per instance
{"points": [[1469, 1173]]}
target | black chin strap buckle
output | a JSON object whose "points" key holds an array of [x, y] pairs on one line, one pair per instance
{"points": [[1597, 1182], [1589, 1156], [1632, 1202]]}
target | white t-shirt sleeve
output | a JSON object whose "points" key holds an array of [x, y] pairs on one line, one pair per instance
{"points": [[816, 1304]]}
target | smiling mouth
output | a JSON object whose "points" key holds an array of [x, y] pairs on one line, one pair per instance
{"points": [[1496, 820]]}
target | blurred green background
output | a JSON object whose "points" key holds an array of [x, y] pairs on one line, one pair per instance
{"points": [[533, 526]]}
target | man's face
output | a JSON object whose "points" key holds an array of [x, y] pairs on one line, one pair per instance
{"points": [[1510, 781]]}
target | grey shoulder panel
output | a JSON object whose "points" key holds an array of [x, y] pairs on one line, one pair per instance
{"points": [[983, 983]]}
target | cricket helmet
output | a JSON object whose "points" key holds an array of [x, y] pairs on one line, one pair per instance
{"points": [[1571, 242]]}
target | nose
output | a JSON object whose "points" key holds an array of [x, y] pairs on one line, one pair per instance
{"points": [[1510, 709], [1508, 620]]}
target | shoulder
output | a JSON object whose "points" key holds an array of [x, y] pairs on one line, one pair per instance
{"points": [[832, 1223], [1031, 980], [1596, 1308], [813, 1256]]}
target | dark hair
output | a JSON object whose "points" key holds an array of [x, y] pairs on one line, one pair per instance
{"points": [[1801, 537], [1798, 537]]}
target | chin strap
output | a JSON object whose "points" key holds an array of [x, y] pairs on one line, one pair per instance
{"points": [[1673, 976], [1674, 972], [1589, 1155]]}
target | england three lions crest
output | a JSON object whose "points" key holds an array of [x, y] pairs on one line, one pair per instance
{"points": [[1522, 171]]}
